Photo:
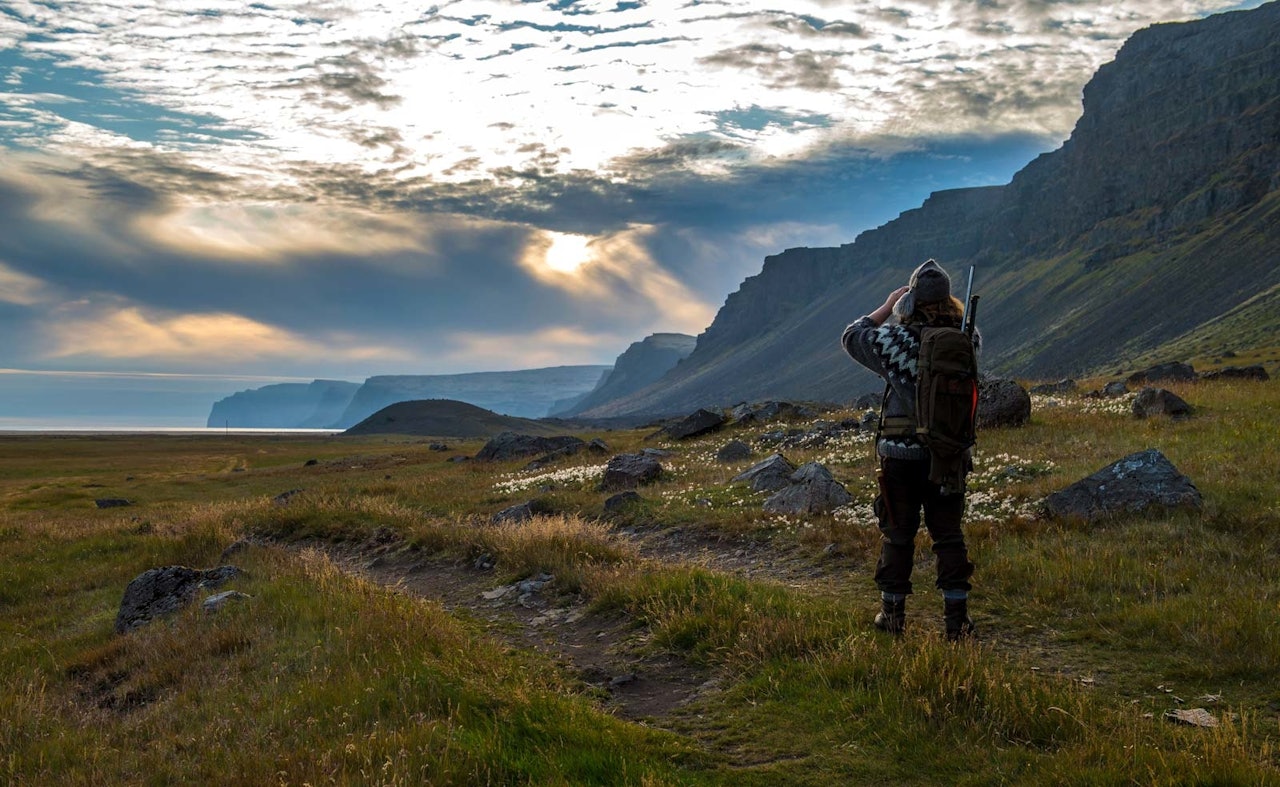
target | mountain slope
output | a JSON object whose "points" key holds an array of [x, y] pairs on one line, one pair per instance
{"points": [[1157, 216]]}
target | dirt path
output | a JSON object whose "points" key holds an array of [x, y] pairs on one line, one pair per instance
{"points": [[606, 651]]}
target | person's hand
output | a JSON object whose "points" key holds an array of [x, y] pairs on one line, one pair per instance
{"points": [[895, 296]]}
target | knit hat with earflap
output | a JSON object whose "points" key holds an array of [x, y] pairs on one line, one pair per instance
{"points": [[929, 283]]}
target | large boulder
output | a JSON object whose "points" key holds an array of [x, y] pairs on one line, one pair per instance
{"points": [[812, 490], [1141, 482], [694, 424], [512, 445], [161, 591], [733, 451], [1256, 372], [628, 471], [766, 476], [1152, 402], [1163, 372], [1002, 402]]}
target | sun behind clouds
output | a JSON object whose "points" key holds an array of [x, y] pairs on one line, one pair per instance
{"points": [[566, 252]]}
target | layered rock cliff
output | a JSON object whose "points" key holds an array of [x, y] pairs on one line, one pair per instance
{"points": [[527, 393], [642, 364], [1159, 214], [314, 405]]}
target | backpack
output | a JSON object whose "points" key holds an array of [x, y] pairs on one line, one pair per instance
{"points": [[946, 404]]}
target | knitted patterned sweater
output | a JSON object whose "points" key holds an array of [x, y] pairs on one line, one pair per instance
{"points": [[890, 351]]}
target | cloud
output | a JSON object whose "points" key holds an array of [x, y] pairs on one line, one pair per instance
{"points": [[20, 289], [128, 333]]}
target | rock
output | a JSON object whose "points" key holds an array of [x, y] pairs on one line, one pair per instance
{"points": [[597, 446], [1139, 482], [1115, 389], [217, 601], [1255, 372], [1002, 402], [112, 502], [618, 681], [1194, 717], [870, 420], [733, 451], [311, 463], [771, 474], [868, 401], [621, 501], [656, 453], [534, 584], [521, 512], [559, 453], [284, 498], [627, 471], [812, 490], [160, 591], [1176, 371], [1157, 401], [485, 562], [456, 459], [694, 424], [438, 446], [763, 412], [511, 445], [1051, 389]]}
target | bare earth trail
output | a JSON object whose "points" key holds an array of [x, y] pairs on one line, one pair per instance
{"points": [[607, 651]]}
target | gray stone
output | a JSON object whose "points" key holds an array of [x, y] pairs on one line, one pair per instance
{"points": [[733, 451], [763, 412], [1152, 402], [1255, 372], [868, 401], [1192, 717], [160, 591], [1141, 482], [771, 474], [628, 471], [1176, 371], [598, 446], [112, 502], [812, 490], [1002, 402], [521, 512], [284, 498], [217, 601], [694, 424], [1115, 389], [622, 500], [438, 446], [510, 445]]}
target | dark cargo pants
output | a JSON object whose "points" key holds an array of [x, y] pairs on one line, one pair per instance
{"points": [[904, 491]]}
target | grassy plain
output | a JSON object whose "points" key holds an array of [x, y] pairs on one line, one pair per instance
{"points": [[1088, 634]]}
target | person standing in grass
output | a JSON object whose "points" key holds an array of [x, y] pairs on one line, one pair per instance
{"points": [[887, 341]]}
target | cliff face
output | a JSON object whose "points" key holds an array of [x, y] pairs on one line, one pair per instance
{"points": [[642, 364], [1159, 214], [528, 393], [313, 405]]}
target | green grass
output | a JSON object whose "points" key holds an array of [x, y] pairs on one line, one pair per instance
{"points": [[1089, 633]]}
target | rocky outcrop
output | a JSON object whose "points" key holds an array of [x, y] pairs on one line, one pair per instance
{"points": [[1151, 402], [1139, 483], [811, 489], [771, 474], [1002, 403], [642, 364], [315, 405], [161, 591], [628, 471], [1158, 215], [510, 445]]}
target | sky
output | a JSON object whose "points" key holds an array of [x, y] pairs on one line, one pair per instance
{"points": [[209, 196]]}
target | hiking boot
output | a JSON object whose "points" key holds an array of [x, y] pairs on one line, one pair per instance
{"points": [[892, 616], [955, 615]]}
